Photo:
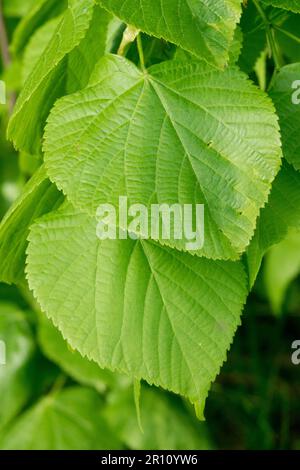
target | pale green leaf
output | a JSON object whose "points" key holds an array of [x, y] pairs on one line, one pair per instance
{"points": [[203, 27], [82, 59], [135, 306], [180, 133], [39, 197], [37, 45], [68, 420]]}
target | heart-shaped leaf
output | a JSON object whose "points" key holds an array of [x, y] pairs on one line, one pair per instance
{"points": [[180, 133]]}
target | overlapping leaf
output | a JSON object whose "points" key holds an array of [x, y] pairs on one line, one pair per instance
{"points": [[135, 306], [234, 50], [180, 133], [37, 45], [203, 27]]}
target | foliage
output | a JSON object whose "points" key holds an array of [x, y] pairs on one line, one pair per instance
{"points": [[189, 102]]}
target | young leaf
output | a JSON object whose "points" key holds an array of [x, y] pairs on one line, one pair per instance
{"points": [[68, 420], [286, 96], [180, 133], [39, 197], [234, 50], [203, 27], [90, 50], [72, 363], [135, 306], [80, 28]]}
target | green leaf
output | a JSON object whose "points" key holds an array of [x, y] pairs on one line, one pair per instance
{"points": [[281, 212], [39, 197], [135, 306], [282, 266], [82, 59], [37, 45], [236, 46], [166, 422], [71, 362], [292, 5], [68, 420], [202, 27], [234, 50], [42, 11], [16, 376], [284, 92], [214, 134], [79, 34]]}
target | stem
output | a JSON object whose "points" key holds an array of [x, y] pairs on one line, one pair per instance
{"points": [[129, 36], [58, 385], [262, 13], [271, 40], [274, 49], [288, 34], [141, 52]]}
